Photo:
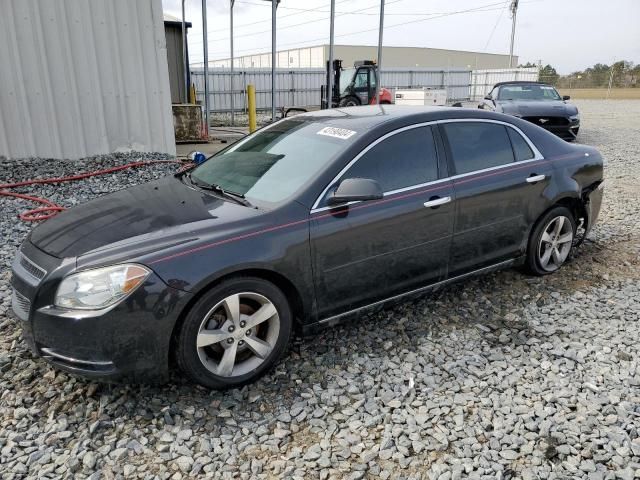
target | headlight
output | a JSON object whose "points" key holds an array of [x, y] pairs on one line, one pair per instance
{"points": [[575, 117], [100, 288]]}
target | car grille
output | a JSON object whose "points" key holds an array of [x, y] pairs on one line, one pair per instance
{"points": [[31, 268], [548, 121], [21, 305]]}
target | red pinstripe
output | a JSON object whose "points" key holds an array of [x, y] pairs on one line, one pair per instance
{"points": [[354, 207]]}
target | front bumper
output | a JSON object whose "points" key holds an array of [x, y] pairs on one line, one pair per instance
{"points": [[566, 132], [130, 342]]}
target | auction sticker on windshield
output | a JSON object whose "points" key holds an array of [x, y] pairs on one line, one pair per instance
{"points": [[342, 133]]}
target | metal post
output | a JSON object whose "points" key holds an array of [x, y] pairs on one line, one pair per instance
{"points": [[610, 82], [379, 67], [206, 66], [514, 11], [232, 93], [330, 87], [274, 5], [251, 105], [185, 62]]}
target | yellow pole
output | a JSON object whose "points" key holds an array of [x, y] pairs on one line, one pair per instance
{"points": [[251, 104]]}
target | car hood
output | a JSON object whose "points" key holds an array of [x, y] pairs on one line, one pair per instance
{"points": [[154, 216], [535, 108]]}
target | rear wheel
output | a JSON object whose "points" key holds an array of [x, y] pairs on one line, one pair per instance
{"points": [[551, 241], [349, 102], [235, 333]]}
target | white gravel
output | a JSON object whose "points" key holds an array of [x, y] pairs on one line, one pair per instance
{"points": [[500, 377]]}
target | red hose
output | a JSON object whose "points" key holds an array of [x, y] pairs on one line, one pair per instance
{"points": [[51, 209]]}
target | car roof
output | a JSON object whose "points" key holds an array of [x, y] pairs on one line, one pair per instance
{"points": [[521, 82], [370, 116]]}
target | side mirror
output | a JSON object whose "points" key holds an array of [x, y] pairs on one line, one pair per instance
{"points": [[355, 189], [488, 97], [566, 97]]}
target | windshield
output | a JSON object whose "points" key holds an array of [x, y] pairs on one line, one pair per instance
{"points": [[528, 92], [346, 76], [274, 163]]}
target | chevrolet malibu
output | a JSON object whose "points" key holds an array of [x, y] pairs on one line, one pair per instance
{"points": [[306, 222]]}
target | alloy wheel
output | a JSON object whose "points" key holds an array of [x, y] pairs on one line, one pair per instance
{"points": [[238, 334], [555, 243]]}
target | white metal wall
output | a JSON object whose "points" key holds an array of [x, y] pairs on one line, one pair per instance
{"points": [[79, 78], [483, 80], [301, 86]]}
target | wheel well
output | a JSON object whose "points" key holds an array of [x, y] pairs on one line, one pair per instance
{"points": [[385, 102], [280, 281], [576, 206]]}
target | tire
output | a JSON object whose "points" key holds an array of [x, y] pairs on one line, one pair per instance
{"points": [[349, 102], [550, 247], [385, 102], [251, 350]]}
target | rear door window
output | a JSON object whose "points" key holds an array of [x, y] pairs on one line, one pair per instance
{"points": [[521, 148], [478, 145], [405, 159]]}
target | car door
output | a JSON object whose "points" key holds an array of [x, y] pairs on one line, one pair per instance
{"points": [[361, 85], [499, 181], [368, 251]]}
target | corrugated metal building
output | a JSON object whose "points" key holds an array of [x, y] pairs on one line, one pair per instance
{"points": [[79, 78], [175, 58], [392, 57]]}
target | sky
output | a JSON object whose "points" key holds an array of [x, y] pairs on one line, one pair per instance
{"points": [[567, 34]]}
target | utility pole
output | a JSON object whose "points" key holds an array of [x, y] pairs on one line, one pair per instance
{"points": [[379, 66], [329, 93], [184, 57], [514, 11], [206, 65], [274, 6], [232, 93]]}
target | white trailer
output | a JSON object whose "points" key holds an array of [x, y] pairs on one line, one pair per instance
{"points": [[421, 96]]}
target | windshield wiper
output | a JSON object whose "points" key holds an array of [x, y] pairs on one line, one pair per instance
{"points": [[237, 197]]}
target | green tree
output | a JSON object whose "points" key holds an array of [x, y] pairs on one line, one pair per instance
{"points": [[548, 74]]}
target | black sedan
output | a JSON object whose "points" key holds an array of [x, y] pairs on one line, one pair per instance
{"points": [[535, 102], [300, 225]]}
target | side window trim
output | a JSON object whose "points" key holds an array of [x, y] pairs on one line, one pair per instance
{"points": [[316, 205], [536, 153], [537, 156], [513, 147]]}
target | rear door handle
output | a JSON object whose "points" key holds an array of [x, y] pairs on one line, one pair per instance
{"points": [[436, 202], [535, 178]]}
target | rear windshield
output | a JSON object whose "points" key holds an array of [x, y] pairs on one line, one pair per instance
{"points": [[528, 92], [274, 163]]}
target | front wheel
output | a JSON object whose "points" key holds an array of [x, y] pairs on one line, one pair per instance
{"points": [[551, 241], [235, 333], [349, 102]]}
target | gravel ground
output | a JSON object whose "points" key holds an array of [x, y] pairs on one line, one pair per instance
{"points": [[505, 376]]}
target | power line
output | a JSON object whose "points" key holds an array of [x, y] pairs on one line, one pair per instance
{"points": [[299, 11], [482, 8], [295, 24], [494, 27]]}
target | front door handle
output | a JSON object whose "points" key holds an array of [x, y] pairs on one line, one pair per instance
{"points": [[535, 178], [436, 202]]}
